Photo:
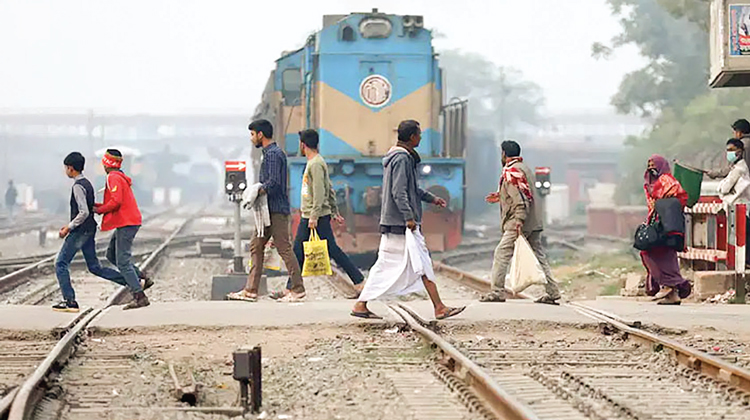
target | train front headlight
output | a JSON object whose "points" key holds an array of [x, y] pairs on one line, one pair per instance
{"points": [[426, 169]]}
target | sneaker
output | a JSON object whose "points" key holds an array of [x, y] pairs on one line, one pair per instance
{"points": [[139, 301], [66, 306]]}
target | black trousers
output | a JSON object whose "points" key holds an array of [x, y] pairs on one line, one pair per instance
{"points": [[325, 232]]}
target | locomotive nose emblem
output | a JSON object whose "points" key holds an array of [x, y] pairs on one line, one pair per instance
{"points": [[375, 90]]}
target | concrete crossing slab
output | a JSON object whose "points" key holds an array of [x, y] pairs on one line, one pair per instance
{"points": [[34, 318]]}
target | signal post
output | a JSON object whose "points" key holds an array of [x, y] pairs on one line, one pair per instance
{"points": [[543, 186], [235, 182]]}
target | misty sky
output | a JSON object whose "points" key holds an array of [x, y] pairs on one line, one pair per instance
{"points": [[170, 56]]}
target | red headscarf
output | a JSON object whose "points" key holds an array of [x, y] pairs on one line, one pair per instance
{"points": [[663, 185], [111, 161], [516, 177]]}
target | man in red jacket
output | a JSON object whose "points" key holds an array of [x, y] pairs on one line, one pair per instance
{"points": [[121, 213]]}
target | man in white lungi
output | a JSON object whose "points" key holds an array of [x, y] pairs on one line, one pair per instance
{"points": [[404, 265]]}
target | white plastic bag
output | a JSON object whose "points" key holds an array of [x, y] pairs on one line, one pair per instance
{"points": [[525, 270], [271, 259]]}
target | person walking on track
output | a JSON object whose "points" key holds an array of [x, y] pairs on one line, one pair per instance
{"points": [[11, 194], [79, 234], [404, 265], [273, 180], [120, 212], [318, 209], [520, 215]]}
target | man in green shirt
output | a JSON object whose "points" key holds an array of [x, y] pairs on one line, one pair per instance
{"points": [[318, 206]]}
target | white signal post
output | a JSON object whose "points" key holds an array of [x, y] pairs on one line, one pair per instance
{"points": [[543, 186], [235, 183]]}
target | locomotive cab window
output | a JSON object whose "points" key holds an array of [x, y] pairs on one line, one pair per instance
{"points": [[375, 28], [347, 33], [291, 86]]}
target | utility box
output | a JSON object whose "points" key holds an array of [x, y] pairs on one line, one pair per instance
{"points": [[730, 43]]}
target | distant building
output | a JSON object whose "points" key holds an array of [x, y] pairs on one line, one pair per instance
{"points": [[582, 149]]}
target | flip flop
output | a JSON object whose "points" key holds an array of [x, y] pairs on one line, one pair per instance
{"points": [[365, 315], [451, 312], [242, 296]]}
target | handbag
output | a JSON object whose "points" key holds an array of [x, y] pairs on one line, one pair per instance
{"points": [[647, 236]]}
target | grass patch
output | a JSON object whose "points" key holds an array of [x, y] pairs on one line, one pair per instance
{"points": [[612, 289]]}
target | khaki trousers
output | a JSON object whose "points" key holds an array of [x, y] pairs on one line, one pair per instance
{"points": [[279, 231], [504, 254]]}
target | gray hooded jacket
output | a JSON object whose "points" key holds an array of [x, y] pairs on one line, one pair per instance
{"points": [[402, 196]]}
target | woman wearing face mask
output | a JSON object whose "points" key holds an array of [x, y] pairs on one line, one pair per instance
{"points": [[734, 188], [664, 280]]}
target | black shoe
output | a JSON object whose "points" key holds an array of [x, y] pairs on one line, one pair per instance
{"points": [[548, 300], [147, 283], [139, 301], [66, 306], [494, 296]]}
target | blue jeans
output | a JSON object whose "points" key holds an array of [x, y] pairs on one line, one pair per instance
{"points": [[86, 243], [337, 254], [120, 254]]}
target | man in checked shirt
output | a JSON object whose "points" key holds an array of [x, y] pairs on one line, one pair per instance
{"points": [[273, 177]]}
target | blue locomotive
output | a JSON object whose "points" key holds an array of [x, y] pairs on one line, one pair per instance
{"points": [[354, 81]]}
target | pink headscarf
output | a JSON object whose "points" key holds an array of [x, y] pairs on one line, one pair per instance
{"points": [[662, 167]]}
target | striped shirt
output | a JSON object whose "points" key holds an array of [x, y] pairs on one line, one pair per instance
{"points": [[273, 176]]}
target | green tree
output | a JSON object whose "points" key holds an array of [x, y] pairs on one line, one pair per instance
{"points": [[672, 35], [692, 122], [500, 100]]}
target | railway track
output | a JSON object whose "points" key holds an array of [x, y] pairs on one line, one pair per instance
{"points": [[25, 225], [26, 366], [16, 271], [628, 373], [648, 376]]}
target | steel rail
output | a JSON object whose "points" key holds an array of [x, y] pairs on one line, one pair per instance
{"points": [[27, 392], [123, 291], [63, 350], [494, 397], [695, 359], [12, 280], [470, 280]]}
